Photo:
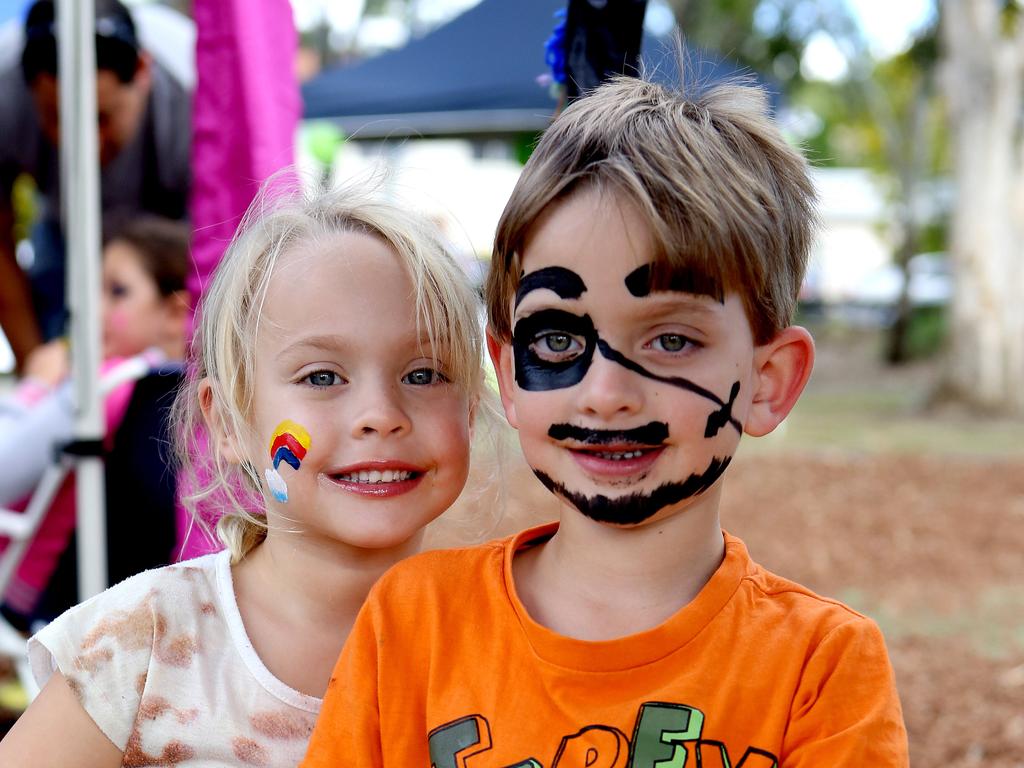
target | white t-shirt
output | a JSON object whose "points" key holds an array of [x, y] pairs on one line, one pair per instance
{"points": [[162, 664]]}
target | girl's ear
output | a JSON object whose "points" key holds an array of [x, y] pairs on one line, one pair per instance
{"points": [[501, 358], [782, 367], [220, 436]]}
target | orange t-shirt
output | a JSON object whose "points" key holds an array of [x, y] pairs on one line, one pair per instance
{"points": [[444, 667]]}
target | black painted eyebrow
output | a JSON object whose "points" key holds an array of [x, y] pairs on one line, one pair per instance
{"points": [[564, 282], [682, 280]]}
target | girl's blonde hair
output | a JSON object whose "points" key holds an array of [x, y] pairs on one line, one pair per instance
{"points": [[222, 350]]}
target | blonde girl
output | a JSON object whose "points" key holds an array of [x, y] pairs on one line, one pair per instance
{"points": [[336, 368]]}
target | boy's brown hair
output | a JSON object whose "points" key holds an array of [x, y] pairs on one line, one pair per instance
{"points": [[722, 191]]}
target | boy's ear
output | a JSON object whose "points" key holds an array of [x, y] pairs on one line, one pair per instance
{"points": [[782, 367], [501, 358], [220, 436]]}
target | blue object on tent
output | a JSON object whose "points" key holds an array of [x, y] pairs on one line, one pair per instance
{"points": [[475, 76]]}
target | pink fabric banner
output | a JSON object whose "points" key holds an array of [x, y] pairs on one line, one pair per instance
{"points": [[245, 115]]}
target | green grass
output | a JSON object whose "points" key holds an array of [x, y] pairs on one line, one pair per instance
{"points": [[991, 623], [855, 403], [886, 421]]}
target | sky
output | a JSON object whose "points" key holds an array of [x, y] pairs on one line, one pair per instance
{"points": [[889, 24]]}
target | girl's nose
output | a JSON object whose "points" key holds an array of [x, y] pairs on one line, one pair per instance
{"points": [[379, 411]]}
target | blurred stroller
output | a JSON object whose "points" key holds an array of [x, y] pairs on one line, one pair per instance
{"points": [[38, 567], [144, 316]]}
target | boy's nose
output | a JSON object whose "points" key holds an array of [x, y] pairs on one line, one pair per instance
{"points": [[379, 411], [608, 389]]}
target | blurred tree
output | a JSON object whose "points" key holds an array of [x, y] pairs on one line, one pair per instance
{"points": [[886, 115], [882, 115], [903, 94], [982, 77], [768, 36]]}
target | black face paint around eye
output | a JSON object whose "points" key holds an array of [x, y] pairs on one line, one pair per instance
{"points": [[637, 507], [564, 282], [638, 283], [653, 434], [535, 374]]}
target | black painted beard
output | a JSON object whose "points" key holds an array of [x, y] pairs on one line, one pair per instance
{"points": [[637, 507]]}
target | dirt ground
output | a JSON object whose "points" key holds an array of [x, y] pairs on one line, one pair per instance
{"points": [[933, 549]]}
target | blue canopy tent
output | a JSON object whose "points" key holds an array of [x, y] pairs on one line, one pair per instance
{"points": [[475, 76]]}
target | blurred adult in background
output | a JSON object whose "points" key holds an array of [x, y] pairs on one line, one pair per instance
{"points": [[144, 124]]}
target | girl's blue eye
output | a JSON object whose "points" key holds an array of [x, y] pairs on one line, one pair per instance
{"points": [[424, 377], [117, 290], [323, 378]]}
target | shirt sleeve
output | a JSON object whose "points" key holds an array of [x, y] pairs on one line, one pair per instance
{"points": [[348, 729], [846, 711], [103, 648]]}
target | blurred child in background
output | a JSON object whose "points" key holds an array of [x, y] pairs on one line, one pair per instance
{"points": [[144, 315]]}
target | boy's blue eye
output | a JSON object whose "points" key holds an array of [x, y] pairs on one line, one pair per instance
{"points": [[323, 378], [424, 377], [558, 342], [117, 290], [556, 346], [672, 342]]}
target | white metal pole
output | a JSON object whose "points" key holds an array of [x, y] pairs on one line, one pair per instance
{"points": [[81, 190]]}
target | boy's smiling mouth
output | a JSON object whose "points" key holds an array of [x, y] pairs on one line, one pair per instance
{"points": [[615, 462], [615, 454]]}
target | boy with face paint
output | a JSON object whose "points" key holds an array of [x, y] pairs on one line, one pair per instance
{"points": [[644, 277]]}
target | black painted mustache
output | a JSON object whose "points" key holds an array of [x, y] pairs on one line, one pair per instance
{"points": [[653, 434]]}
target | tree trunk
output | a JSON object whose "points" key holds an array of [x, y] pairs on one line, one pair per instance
{"points": [[983, 78], [906, 150]]}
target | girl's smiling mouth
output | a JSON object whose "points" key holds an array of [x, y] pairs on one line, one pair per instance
{"points": [[381, 478]]}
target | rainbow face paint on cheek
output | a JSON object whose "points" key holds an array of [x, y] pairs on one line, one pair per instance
{"points": [[288, 444]]}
